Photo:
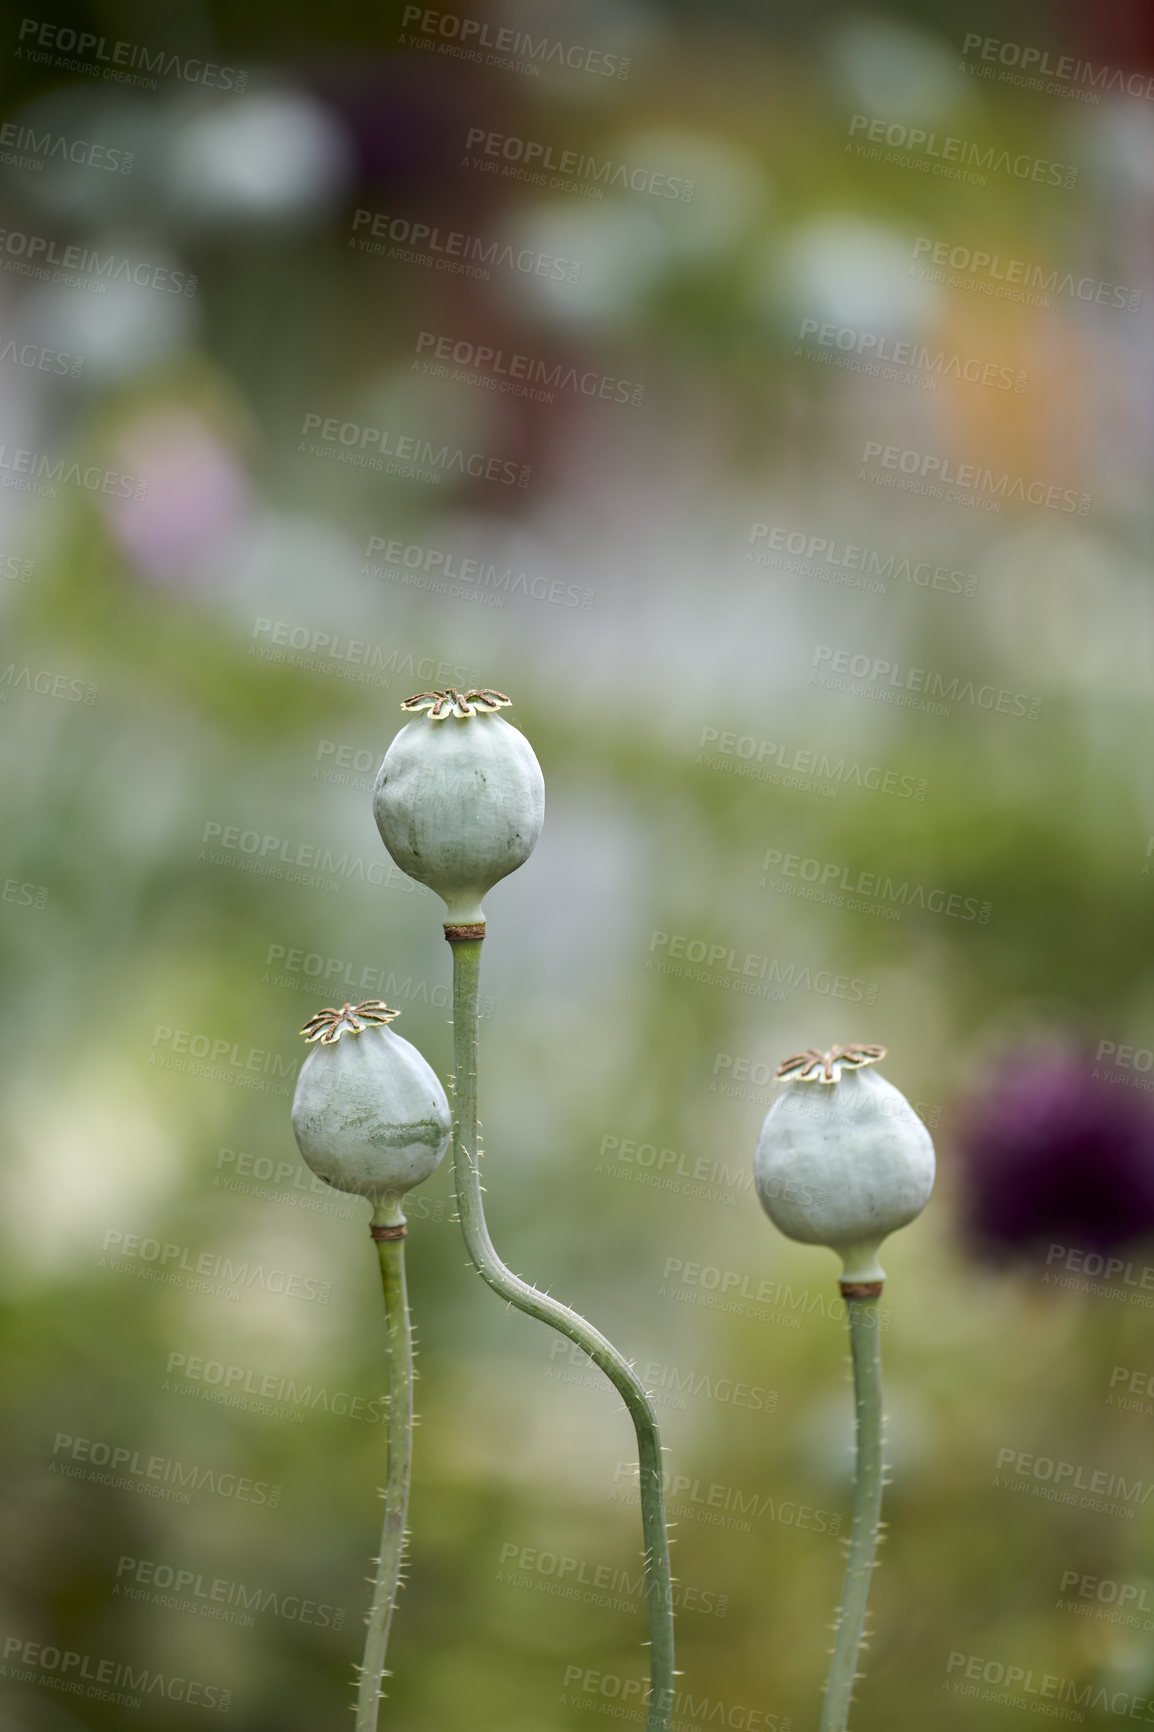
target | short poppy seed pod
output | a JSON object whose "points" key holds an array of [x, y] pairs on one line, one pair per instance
{"points": [[369, 1114], [843, 1160], [460, 798]]}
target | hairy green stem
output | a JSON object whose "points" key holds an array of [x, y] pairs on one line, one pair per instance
{"points": [[865, 1346], [484, 1258], [399, 1359]]}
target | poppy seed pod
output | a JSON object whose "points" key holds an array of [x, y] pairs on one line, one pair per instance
{"points": [[460, 798], [369, 1114], [842, 1160]]}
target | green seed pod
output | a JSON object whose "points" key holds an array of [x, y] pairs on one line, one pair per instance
{"points": [[369, 1114], [843, 1160], [460, 798]]}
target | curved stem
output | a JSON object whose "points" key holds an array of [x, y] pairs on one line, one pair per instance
{"points": [[399, 1357], [484, 1258], [865, 1345]]}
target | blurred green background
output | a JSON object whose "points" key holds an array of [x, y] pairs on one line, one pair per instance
{"points": [[198, 686]]}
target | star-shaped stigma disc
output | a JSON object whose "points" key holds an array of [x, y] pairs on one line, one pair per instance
{"points": [[826, 1067], [327, 1026], [451, 702]]}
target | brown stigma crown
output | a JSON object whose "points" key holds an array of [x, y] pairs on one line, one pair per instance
{"points": [[450, 702], [826, 1067], [327, 1026]]}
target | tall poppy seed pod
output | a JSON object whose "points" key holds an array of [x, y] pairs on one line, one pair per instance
{"points": [[843, 1160], [460, 798], [369, 1114], [370, 1117]]}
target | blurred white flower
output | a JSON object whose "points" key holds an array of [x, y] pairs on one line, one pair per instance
{"points": [[895, 72], [725, 186], [1117, 141], [272, 156], [85, 153], [608, 257], [92, 1150], [124, 331], [844, 271], [1069, 610]]}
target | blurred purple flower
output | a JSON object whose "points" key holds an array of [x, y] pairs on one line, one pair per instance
{"points": [[196, 494], [1053, 1150], [407, 118]]}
